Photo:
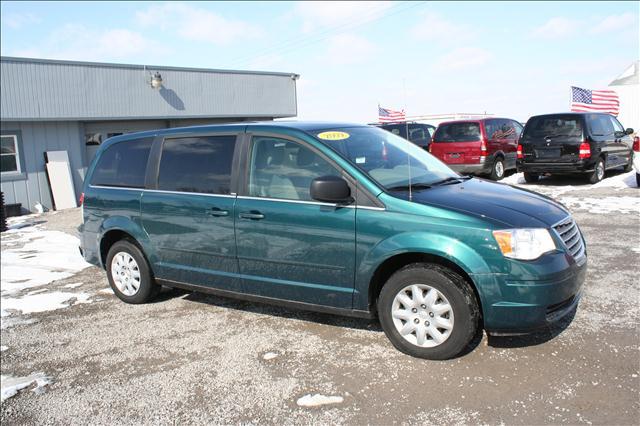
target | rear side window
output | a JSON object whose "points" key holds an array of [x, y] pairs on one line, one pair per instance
{"points": [[600, 124], [198, 164], [457, 132], [554, 126], [123, 164]]}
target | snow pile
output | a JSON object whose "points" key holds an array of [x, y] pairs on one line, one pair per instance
{"points": [[318, 400], [555, 187], [45, 257], [269, 355], [11, 385]]}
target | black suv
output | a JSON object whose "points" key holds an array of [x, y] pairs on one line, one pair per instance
{"points": [[566, 143], [419, 133]]}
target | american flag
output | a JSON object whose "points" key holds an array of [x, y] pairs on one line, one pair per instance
{"points": [[386, 115], [584, 100]]}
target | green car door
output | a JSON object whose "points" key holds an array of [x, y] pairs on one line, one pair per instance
{"points": [[189, 213], [288, 245]]}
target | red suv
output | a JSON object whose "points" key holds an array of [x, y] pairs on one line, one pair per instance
{"points": [[480, 147]]}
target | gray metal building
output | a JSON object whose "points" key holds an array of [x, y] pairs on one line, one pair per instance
{"points": [[63, 105]]}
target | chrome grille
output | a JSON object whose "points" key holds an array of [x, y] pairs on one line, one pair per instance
{"points": [[571, 237]]}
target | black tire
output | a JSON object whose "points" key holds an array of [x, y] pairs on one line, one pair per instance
{"points": [[598, 172], [638, 180], [497, 170], [531, 177], [147, 289], [453, 287]]}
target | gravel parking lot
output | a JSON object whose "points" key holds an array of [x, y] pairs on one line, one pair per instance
{"points": [[193, 358]]}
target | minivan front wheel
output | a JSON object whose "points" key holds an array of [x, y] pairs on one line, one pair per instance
{"points": [[497, 171], [129, 274], [428, 311]]}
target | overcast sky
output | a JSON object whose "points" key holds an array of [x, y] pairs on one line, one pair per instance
{"points": [[510, 59]]}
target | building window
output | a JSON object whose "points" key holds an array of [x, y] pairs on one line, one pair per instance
{"points": [[9, 155]]}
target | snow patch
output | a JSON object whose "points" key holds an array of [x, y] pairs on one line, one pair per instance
{"points": [[604, 204], [3, 348], [10, 385], [73, 285], [107, 290], [269, 355], [45, 257], [318, 400], [41, 302]]}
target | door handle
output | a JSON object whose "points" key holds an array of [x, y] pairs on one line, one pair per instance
{"points": [[253, 215], [215, 211]]}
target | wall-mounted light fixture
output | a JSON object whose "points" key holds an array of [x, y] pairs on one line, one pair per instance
{"points": [[154, 80]]}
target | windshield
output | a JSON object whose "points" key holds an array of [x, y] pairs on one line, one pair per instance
{"points": [[554, 126], [457, 132], [388, 159]]}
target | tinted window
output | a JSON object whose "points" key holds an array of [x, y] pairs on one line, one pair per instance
{"points": [[396, 129], [554, 126], [284, 169], [616, 124], [123, 164], [600, 124], [457, 132], [199, 164], [518, 127]]}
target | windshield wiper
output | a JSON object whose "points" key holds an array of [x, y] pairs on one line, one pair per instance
{"points": [[414, 186], [451, 180]]}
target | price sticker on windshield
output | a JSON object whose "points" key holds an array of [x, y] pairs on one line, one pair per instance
{"points": [[333, 136]]}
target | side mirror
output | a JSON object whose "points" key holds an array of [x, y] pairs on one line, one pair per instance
{"points": [[330, 189], [629, 131]]}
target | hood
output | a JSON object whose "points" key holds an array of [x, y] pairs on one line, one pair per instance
{"points": [[512, 207]]}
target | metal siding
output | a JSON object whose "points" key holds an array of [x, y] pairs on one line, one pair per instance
{"points": [[38, 137], [35, 90]]}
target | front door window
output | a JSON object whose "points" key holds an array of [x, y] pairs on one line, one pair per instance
{"points": [[284, 170]]}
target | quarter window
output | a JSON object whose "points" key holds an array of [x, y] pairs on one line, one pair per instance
{"points": [[123, 164], [284, 169], [9, 155], [198, 164], [616, 124]]}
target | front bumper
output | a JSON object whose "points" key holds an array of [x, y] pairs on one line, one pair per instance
{"points": [[535, 295], [582, 166]]}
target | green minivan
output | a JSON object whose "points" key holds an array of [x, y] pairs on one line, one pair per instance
{"points": [[330, 217]]}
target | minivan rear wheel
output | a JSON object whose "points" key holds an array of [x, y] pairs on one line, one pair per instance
{"points": [[531, 177], [497, 171], [598, 172], [129, 273], [428, 311]]}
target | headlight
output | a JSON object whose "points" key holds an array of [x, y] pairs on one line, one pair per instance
{"points": [[524, 244]]}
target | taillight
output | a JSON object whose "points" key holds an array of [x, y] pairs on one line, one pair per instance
{"points": [[636, 144], [585, 150], [519, 152], [429, 147], [483, 147], [81, 199]]}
